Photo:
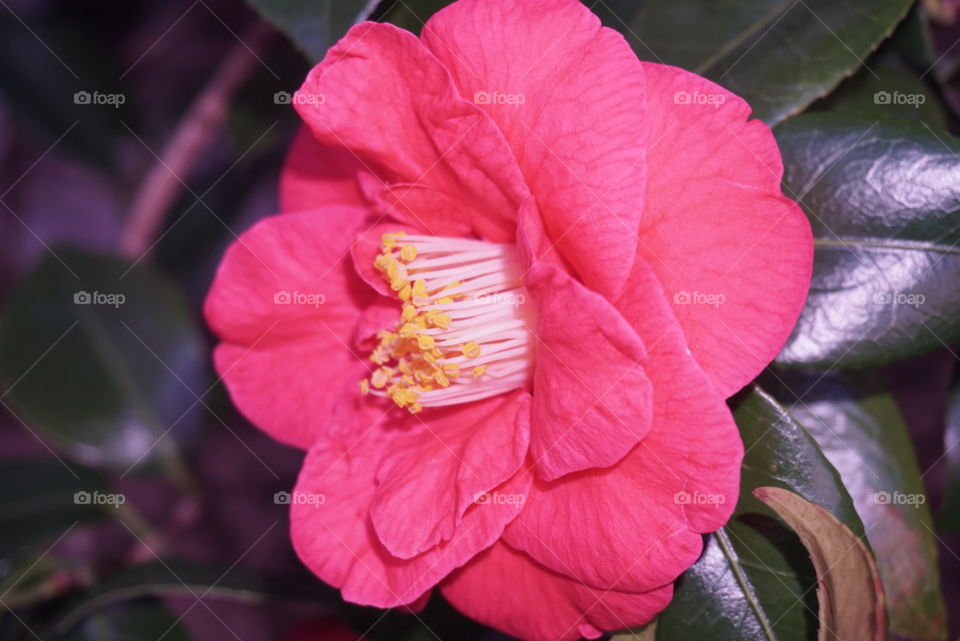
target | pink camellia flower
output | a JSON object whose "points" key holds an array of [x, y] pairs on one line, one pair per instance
{"points": [[516, 275]]}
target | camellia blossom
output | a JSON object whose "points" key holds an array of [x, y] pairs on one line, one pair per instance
{"points": [[517, 273]]}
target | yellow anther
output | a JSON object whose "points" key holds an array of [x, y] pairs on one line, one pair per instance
{"points": [[380, 378], [452, 370], [420, 295], [389, 241], [438, 319], [415, 408], [379, 355], [426, 341], [471, 350], [478, 371], [409, 313], [441, 378], [365, 386], [408, 253]]}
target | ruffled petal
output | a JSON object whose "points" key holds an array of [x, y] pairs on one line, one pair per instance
{"points": [[507, 590], [382, 313], [315, 175], [336, 538], [569, 96], [734, 255], [285, 301], [449, 461], [637, 525], [442, 163], [593, 400]]}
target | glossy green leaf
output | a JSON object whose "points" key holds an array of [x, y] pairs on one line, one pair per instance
{"points": [[43, 499], [146, 620], [860, 430], [883, 199], [780, 55], [889, 88], [755, 581], [948, 518], [314, 25], [103, 357]]}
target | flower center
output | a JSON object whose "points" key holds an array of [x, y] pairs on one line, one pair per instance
{"points": [[465, 329]]}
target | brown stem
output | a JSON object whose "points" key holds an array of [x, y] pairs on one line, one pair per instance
{"points": [[164, 182]]}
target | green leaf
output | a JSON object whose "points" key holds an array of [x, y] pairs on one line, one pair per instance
{"points": [[780, 55], [176, 578], [103, 357], [146, 620], [410, 14], [314, 25], [884, 202], [42, 499], [888, 89], [860, 429], [755, 581], [948, 518]]}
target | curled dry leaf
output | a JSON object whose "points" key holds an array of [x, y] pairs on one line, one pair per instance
{"points": [[852, 604]]}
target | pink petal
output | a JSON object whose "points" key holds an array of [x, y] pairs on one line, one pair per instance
{"points": [[579, 133], [438, 469], [733, 254], [507, 590], [631, 526], [388, 99], [289, 389], [336, 540], [592, 399], [382, 313], [315, 175], [285, 302]]}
